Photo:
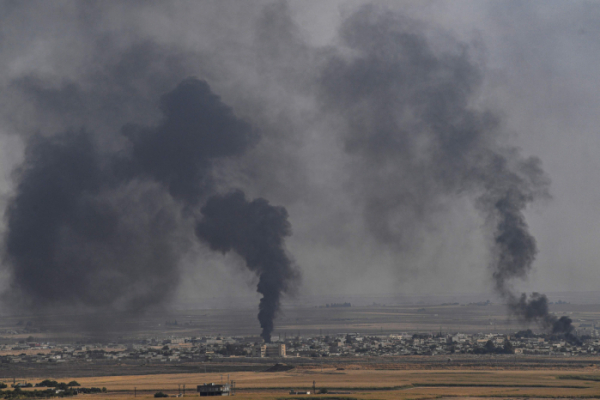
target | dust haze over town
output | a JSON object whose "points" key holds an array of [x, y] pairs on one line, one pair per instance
{"points": [[166, 156]]}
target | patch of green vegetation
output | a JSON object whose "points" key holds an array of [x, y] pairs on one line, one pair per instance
{"points": [[17, 393], [595, 378]]}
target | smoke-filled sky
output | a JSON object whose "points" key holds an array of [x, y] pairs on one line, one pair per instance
{"points": [[386, 130]]}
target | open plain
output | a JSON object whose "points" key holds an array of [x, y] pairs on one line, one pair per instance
{"points": [[428, 315]]}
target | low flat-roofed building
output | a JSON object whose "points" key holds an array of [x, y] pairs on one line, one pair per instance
{"points": [[212, 389], [259, 350], [277, 350], [270, 350]]}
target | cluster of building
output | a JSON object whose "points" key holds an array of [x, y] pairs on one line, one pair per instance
{"points": [[353, 345], [342, 345]]}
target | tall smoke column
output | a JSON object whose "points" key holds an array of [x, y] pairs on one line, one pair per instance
{"points": [[417, 137], [197, 129], [256, 231], [96, 229]]}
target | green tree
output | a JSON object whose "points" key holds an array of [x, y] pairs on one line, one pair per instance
{"points": [[489, 347], [508, 347]]}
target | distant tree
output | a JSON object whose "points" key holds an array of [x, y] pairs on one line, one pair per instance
{"points": [[73, 383], [160, 394], [508, 347], [47, 383], [489, 347]]}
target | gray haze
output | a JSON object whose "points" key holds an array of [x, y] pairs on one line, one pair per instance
{"points": [[417, 147]]}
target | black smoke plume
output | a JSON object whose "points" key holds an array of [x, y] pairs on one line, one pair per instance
{"points": [[535, 309], [98, 229], [77, 237], [411, 122], [256, 231], [197, 129]]}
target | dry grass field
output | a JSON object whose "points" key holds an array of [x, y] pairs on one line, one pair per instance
{"points": [[364, 384]]}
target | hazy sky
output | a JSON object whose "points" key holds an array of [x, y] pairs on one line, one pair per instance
{"points": [[534, 64]]}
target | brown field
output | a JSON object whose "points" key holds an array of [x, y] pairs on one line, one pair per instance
{"points": [[363, 384]]}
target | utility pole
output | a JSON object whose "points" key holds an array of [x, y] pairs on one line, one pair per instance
{"points": [[135, 392], [184, 389]]}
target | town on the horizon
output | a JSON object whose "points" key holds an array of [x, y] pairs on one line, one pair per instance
{"points": [[197, 349]]}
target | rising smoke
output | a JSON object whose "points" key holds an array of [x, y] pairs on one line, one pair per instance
{"points": [[98, 230], [105, 220], [196, 130], [535, 309], [74, 239], [411, 121], [256, 231]]}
